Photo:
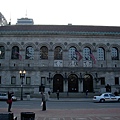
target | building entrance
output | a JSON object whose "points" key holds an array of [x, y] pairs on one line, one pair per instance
{"points": [[88, 83], [72, 83], [58, 83]]}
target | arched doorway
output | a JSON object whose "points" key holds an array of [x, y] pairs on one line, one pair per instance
{"points": [[88, 83], [72, 83], [58, 83]]}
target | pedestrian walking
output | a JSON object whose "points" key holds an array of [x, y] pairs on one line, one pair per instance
{"points": [[86, 93], [9, 101], [43, 101], [57, 94]]}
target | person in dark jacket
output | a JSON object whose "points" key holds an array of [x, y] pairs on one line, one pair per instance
{"points": [[57, 94], [44, 101], [9, 101]]}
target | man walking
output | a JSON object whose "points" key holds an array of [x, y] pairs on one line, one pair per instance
{"points": [[44, 101]]}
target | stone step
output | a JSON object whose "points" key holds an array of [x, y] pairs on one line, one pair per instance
{"points": [[73, 95]]}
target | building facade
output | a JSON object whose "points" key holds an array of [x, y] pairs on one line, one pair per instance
{"points": [[25, 21], [67, 58], [3, 20]]}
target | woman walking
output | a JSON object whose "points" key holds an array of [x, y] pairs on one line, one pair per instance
{"points": [[9, 101]]}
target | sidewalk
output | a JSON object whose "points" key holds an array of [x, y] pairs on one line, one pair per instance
{"points": [[70, 100], [64, 99]]}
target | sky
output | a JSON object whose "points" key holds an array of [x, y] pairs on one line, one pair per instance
{"points": [[63, 12]]}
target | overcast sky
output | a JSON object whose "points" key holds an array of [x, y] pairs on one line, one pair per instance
{"points": [[62, 12]]}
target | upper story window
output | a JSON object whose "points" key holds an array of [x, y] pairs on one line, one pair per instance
{"points": [[30, 53], [86, 53], [100, 54], [58, 53], [15, 51], [72, 55], [2, 52], [44, 53], [114, 54]]}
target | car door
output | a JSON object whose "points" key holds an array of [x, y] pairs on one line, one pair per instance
{"points": [[112, 97], [106, 97]]}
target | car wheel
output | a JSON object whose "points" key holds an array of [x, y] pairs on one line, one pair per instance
{"points": [[102, 100], [119, 100]]}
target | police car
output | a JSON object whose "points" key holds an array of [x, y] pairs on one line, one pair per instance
{"points": [[106, 97]]}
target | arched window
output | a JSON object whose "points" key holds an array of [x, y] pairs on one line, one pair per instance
{"points": [[100, 54], [72, 53], [44, 53], [15, 51], [114, 54], [30, 53], [58, 53], [86, 53], [2, 52]]}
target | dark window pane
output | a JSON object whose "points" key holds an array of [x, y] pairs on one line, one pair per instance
{"points": [[102, 81], [15, 51], [116, 80], [58, 53], [44, 53]]}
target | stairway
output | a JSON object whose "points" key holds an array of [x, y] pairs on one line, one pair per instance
{"points": [[73, 95]]}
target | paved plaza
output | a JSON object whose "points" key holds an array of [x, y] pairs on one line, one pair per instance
{"points": [[69, 114]]}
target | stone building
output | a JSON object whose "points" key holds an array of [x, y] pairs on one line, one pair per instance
{"points": [[25, 21], [67, 58], [3, 20]]}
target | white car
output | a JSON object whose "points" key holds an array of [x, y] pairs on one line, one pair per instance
{"points": [[106, 97], [4, 96]]}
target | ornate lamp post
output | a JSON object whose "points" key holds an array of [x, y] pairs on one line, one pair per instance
{"points": [[22, 75]]}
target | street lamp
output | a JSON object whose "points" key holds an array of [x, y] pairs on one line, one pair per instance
{"points": [[22, 75]]}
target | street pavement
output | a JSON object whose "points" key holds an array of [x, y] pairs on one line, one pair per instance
{"points": [[69, 114]]}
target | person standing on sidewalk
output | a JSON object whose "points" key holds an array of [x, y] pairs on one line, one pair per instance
{"points": [[86, 93], [57, 94], [43, 101], [9, 101]]}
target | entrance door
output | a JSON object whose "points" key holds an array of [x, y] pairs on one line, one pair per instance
{"points": [[58, 83], [88, 83], [72, 83]]}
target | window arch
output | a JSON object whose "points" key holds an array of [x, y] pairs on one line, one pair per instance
{"points": [[15, 51], [58, 53], [72, 54], [30, 53], [44, 52], [2, 52], [114, 54], [100, 53], [86, 53]]}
